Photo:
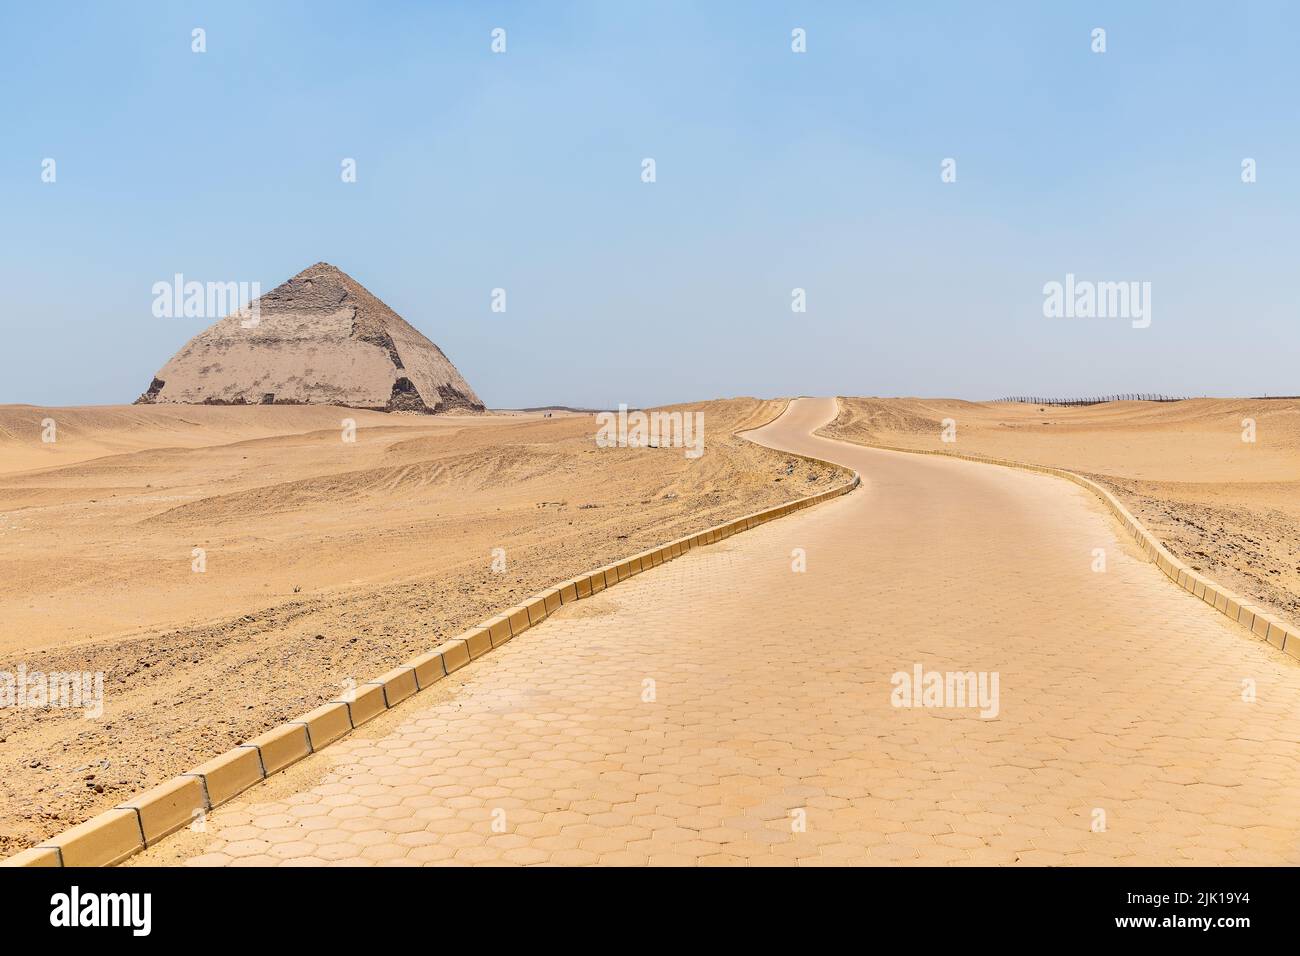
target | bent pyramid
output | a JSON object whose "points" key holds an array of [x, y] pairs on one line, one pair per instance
{"points": [[321, 339]]}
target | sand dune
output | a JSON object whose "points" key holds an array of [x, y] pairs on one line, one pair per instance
{"points": [[88, 432], [324, 561]]}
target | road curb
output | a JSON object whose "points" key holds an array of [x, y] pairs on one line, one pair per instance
{"points": [[137, 823], [1283, 635]]}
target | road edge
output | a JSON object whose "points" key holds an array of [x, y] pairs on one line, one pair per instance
{"points": [[1281, 634]]}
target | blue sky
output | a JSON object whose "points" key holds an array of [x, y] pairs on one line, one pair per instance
{"points": [[775, 170]]}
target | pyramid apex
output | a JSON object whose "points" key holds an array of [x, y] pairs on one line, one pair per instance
{"points": [[327, 268]]}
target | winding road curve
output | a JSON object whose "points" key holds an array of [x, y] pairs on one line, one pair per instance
{"points": [[726, 709]]}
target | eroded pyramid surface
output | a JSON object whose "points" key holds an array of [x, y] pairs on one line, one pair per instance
{"points": [[321, 339]]}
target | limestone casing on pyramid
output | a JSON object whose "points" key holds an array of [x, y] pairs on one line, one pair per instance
{"points": [[321, 339]]}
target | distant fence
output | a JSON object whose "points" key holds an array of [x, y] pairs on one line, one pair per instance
{"points": [[1130, 397]]}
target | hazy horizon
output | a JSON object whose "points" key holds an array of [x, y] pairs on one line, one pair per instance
{"points": [[775, 170]]}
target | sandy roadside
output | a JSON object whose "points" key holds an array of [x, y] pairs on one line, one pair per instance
{"points": [[1229, 508], [324, 561]]}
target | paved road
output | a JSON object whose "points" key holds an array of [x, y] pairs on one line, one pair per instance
{"points": [[726, 709]]}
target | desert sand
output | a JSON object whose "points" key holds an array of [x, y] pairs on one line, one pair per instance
{"points": [[776, 704], [324, 561], [1228, 507]]}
